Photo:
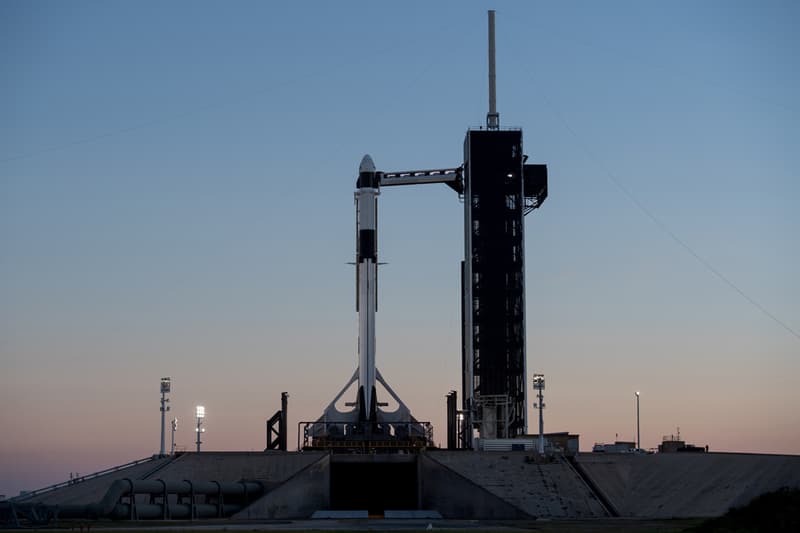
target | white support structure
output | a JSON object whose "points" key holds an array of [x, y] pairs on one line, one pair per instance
{"points": [[200, 414], [174, 429]]}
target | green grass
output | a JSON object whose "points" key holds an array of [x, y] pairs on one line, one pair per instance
{"points": [[774, 512]]}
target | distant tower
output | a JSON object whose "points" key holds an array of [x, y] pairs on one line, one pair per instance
{"points": [[638, 433], [200, 413], [538, 385], [499, 190], [165, 389]]}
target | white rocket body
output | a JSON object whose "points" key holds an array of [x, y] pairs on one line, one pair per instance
{"points": [[366, 197], [367, 420]]}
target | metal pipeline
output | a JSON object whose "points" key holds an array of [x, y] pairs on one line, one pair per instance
{"points": [[214, 506]]}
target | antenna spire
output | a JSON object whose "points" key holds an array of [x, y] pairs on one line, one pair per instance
{"points": [[492, 117]]}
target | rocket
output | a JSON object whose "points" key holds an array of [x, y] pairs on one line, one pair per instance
{"points": [[367, 419], [366, 200]]}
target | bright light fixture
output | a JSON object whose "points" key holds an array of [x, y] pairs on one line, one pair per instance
{"points": [[201, 411]]}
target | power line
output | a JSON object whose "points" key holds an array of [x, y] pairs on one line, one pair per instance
{"points": [[663, 227]]}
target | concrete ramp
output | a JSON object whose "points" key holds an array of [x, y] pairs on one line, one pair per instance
{"points": [[686, 485], [359, 514], [269, 467], [92, 490], [454, 495], [540, 490], [299, 496], [412, 515]]}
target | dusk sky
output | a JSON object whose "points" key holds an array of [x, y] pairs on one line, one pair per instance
{"points": [[176, 199]]}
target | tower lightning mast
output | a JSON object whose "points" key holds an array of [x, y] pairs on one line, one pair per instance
{"points": [[492, 117]]}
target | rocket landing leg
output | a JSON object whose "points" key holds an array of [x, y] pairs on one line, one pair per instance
{"points": [[384, 429]]}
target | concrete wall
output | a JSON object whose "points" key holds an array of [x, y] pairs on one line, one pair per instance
{"points": [[487, 485], [687, 484], [298, 497], [542, 490], [272, 467], [456, 496], [93, 490]]}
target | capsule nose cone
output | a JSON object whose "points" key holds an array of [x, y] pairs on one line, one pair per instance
{"points": [[366, 164]]}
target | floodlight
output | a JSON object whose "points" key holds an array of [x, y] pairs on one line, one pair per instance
{"points": [[201, 411], [165, 385]]}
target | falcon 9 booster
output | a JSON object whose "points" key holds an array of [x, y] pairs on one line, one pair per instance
{"points": [[368, 420], [366, 200]]}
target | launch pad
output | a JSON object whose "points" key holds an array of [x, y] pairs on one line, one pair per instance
{"points": [[367, 426], [498, 188], [370, 460], [466, 485]]}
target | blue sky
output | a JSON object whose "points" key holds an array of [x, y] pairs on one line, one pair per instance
{"points": [[176, 199]]}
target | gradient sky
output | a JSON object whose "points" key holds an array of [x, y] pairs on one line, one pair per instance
{"points": [[176, 186]]}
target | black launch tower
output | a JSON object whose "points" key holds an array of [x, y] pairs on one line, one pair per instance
{"points": [[499, 190]]}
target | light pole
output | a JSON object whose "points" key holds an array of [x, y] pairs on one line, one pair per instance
{"points": [[538, 385], [638, 434], [165, 388], [174, 429], [201, 414]]}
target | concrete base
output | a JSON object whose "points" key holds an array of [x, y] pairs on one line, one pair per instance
{"points": [[412, 515], [474, 485], [668, 485], [298, 497], [535, 488], [329, 514], [456, 496]]}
